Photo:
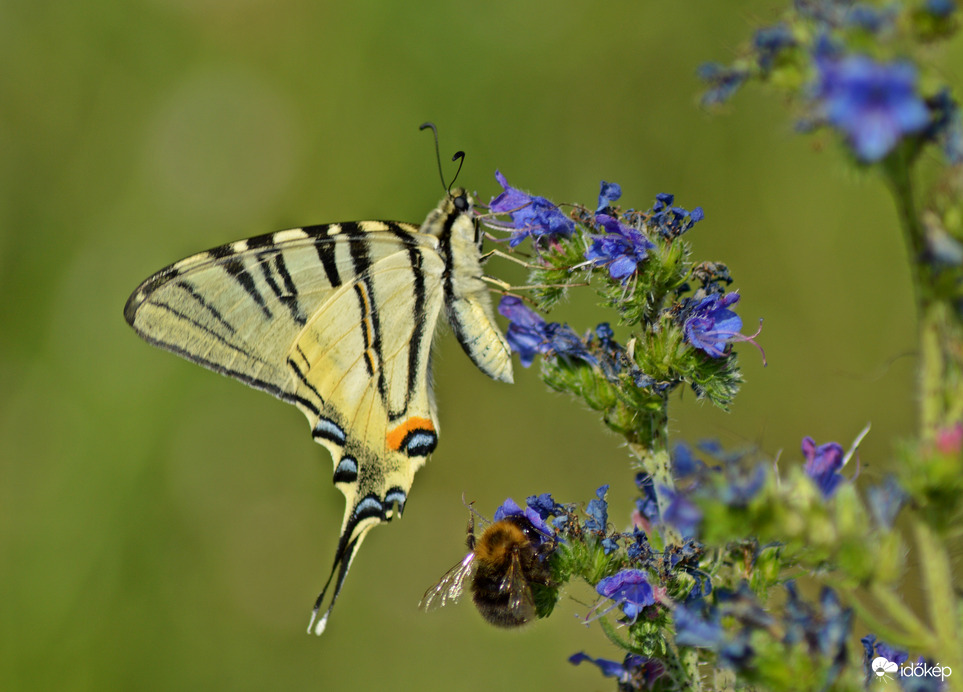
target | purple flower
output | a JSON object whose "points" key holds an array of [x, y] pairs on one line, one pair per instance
{"points": [[769, 42], [630, 589], [634, 673], [609, 193], [684, 462], [510, 508], [528, 334], [946, 127], [886, 500], [711, 325], [621, 250], [871, 19], [531, 215], [639, 548], [873, 104], [544, 505], [672, 221], [743, 485], [723, 82], [692, 629], [940, 8], [873, 648], [824, 629], [598, 511], [647, 506], [823, 464], [682, 513], [609, 545]]}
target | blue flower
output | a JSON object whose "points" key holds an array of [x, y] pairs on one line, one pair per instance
{"points": [[609, 193], [621, 250], [872, 19], [769, 42], [723, 82], [598, 511], [823, 464], [885, 501], [874, 647], [647, 506], [630, 589], [744, 484], [672, 221], [510, 508], [824, 629], [692, 629], [634, 673], [528, 333], [873, 104], [682, 513], [946, 128], [639, 548], [609, 545], [940, 8], [544, 505], [531, 215], [829, 12], [711, 325], [684, 462]]}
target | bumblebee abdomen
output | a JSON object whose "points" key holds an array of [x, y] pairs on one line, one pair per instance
{"points": [[501, 607]]}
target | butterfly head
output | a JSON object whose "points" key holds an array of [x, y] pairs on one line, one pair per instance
{"points": [[460, 199]]}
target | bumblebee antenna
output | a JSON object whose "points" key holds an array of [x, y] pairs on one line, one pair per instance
{"points": [[459, 156]]}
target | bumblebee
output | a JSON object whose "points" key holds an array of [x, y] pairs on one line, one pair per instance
{"points": [[503, 564]]}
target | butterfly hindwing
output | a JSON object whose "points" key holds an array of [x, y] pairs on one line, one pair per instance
{"points": [[383, 425], [337, 319]]}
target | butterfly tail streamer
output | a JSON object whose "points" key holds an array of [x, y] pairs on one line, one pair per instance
{"points": [[347, 549]]}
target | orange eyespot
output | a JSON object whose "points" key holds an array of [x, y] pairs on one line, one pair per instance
{"points": [[400, 436]]}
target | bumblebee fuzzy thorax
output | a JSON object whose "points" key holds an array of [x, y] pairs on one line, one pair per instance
{"points": [[500, 543]]}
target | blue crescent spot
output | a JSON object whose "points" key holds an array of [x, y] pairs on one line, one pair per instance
{"points": [[347, 471], [369, 507], [396, 495], [327, 429], [421, 443]]}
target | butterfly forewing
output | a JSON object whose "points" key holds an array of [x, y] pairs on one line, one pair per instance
{"points": [[337, 319]]}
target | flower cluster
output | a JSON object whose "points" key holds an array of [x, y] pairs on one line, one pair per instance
{"points": [[869, 92], [667, 595], [701, 577], [647, 278]]}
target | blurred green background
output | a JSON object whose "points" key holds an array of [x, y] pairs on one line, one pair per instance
{"points": [[165, 528]]}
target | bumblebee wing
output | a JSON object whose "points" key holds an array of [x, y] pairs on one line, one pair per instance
{"points": [[521, 603], [450, 587]]}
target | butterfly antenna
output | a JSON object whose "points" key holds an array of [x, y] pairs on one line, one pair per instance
{"points": [[425, 126], [459, 156]]}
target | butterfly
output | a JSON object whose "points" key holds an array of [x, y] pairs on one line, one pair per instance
{"points": [[338, 319]]}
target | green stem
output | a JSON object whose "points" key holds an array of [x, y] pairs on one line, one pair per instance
{"points": [[653, 454], [941, 359], [938, 580]]}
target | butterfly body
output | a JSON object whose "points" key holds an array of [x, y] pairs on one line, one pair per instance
{"points": [[338, 320]]}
